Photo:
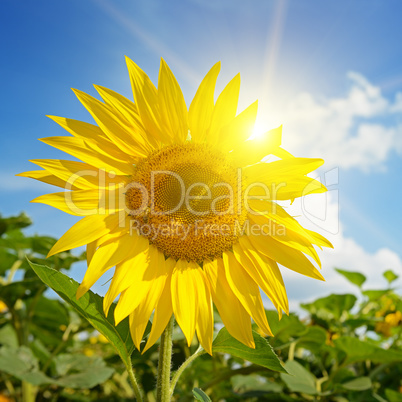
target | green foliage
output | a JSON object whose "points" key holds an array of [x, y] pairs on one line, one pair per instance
{"points": [[90, 307], [263, 354], [390, 276], [347, 348], [299, 379], [200, 395], [360, 351], [353, 277], [331, 307], [39, 348]]}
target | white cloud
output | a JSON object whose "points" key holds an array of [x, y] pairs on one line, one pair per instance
{"points": [[357, 130]]}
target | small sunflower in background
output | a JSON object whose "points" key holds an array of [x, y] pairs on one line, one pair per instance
{"points": [[183, 204]]}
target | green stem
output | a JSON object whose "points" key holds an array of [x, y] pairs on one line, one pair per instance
{"points": [[291, 353], [164, 364], [28, 392], [200, 351], [13, 270], [134, 382]]}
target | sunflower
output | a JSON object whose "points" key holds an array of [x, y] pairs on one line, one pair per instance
{"points": [[183, 204]]}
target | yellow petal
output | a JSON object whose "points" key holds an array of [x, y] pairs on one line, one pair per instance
{"points": [[85, 231], [146, 99], [92, 134], [114, 126], [172, 107], [239, 129], [264, 271], [90, 154], [130, 270], [79, 203], [140, 316], [77, 174], [140, 283], [225, 109], [205, 321], [279, 171], [319, 240], [91, 248], [202, 106], [286, 256], [106, 256], [252, 151], [236, 319], [122, 229], [276, 213], [285, 188], [185, 283], [294, 239], [163, 311], [46, 177], [246, 290], [129, 111]]}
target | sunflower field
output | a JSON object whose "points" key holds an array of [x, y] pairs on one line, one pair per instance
{"points": [[54, 347]]}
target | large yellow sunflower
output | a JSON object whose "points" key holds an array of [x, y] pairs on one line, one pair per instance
{"points": [[183, 205]]}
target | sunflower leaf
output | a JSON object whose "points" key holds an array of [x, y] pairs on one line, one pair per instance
{"points": [[90, 307], [200, 395], [354, 277], [390, 276], [299, 379], [358, 384], [358, 351], [263, 354]]}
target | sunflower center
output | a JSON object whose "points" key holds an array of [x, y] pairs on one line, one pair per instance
{"points": [[187, 200]]}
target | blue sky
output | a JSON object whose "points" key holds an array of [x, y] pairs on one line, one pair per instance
{"points": [[330, 71]]}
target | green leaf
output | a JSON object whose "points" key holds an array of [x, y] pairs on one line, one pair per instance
{"points": [[354, 277], [21, 363], [332, 306], [390, 276], [50, 314], [80, 371], [42, 244], [357, 350], [8, 336], [375, 294], [393, 396], [289, 326], [200, 395], [299, 379], [343, 375], [263, 354], [358, 384], [75, 371], [90, 307], [313, 338], [254, 382], [15, 240], [7, 259], [14, 222], [354, 323], [19, 290], [40, 351]]}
